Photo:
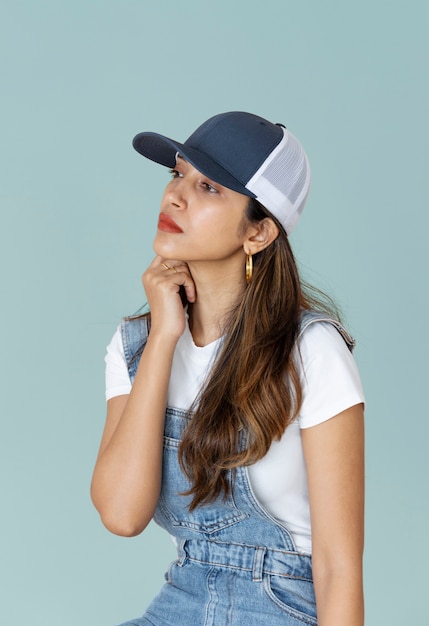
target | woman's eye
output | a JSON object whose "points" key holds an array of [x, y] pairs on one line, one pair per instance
{"points": [[210, 188], [175, 174]]}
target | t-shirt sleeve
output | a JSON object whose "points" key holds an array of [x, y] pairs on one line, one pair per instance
{"points": [[330, 378], [117, 379]]}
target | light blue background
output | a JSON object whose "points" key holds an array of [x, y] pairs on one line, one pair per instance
{"points": [[79, 208]]}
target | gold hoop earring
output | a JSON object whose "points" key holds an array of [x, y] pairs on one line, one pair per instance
{"points": [[249, 268]]}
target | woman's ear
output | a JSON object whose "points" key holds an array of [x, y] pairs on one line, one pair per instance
{"points": [[260, 235]]}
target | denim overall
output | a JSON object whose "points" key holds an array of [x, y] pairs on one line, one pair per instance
{"points": [[236, 565]]}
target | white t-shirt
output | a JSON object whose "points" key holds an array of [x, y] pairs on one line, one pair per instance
{"points": [[331, 384]]}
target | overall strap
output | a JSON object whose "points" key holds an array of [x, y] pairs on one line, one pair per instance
{"points": [[134, 331], [310, 316]]}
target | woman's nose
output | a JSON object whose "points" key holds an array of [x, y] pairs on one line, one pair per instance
{"points": [[176, 193]]}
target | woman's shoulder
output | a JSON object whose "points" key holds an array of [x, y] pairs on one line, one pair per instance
{"points": [[321, 325], [115, 346], [135, 329], [329, 374], [116, 373]]}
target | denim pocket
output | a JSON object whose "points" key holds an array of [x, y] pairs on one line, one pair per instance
{"points": [[175, 506], [293, 596]]}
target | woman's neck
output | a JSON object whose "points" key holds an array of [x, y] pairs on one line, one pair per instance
{"points": [[217, 295]]}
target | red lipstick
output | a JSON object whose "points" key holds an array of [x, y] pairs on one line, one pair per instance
{"points": [[167, 224]]}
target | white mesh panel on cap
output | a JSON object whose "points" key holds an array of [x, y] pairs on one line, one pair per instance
{"points": [[282, 182]]}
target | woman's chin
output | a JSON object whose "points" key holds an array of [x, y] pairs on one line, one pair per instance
{"points": [[165, 249], [162, 248]]}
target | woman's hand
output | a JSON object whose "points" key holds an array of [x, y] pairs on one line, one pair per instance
{"points": [[162, 282]]}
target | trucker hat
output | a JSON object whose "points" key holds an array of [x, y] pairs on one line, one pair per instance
{"points": [[245, 153]]}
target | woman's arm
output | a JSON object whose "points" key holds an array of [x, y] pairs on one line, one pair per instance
{"points": [[127, 475], [126, 480], [334, 454]]}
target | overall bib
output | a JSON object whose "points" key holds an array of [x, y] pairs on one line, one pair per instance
{"points": [[236, 566]]}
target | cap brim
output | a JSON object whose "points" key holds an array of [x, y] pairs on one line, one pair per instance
{"points": [[163, 150]]}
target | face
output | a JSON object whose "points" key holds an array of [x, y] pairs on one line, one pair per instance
{"points": [[200, 220]]}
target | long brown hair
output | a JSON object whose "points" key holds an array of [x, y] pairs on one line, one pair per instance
{"points": [[254, 391]]}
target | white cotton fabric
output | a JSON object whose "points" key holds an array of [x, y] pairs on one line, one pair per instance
{"points": [[331, 384]]}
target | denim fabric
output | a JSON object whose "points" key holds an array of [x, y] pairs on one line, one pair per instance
{"points": [[236, 564]]}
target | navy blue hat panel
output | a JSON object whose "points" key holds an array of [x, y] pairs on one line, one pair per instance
{"points": [[239, 142], [163, 150]]}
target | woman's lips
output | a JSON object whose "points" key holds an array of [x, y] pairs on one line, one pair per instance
{"points": [[168, 225]]}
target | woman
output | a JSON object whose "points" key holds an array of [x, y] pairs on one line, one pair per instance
{"points": [[235, 411]]}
